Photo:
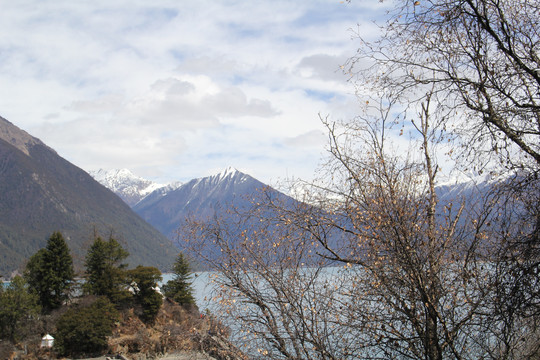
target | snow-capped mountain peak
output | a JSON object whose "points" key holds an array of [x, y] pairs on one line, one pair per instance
{"points": [[131, 188], [116, 178], [228, 172], [199, 197]]}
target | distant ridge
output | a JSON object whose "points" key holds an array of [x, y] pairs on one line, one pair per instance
{"points": [[198, 197], [40, 192], [167, 208], [129, 187]]}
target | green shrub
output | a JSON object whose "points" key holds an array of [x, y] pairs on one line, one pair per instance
{"points": [[83, 330]]}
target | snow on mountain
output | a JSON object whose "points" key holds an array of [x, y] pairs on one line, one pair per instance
{"points": [[129, 187], [199, 197], [167, 206], [229, 175], [133, 189], [470, 189]]}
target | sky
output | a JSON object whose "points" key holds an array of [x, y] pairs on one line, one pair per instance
{"points": [[175, 90]]}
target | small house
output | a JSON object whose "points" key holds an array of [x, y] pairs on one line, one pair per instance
{"points": [[47, 341]]}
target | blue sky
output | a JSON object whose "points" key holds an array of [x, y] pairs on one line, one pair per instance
{"points": [[174, 90]]}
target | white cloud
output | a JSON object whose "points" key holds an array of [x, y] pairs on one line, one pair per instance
{"points": [[169, 89], [314, 138], [110, 103], [324, 67]]}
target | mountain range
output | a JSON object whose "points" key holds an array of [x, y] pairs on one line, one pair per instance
{"points": [[167, 206], [40, 192], [129, 187]]}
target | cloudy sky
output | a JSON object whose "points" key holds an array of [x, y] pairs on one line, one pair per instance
{"points": [[174, 90]]}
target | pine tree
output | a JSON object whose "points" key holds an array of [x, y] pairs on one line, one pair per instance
{"points": [[144, 281], [17, 307], [35, 274], [50, 273], [179, 288], [105, 272]]}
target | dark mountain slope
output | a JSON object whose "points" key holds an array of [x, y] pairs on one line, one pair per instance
{"points": [[166, 211], [40, 192]]}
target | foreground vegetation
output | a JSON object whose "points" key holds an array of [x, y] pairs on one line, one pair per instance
{"points": [[97, 315]]}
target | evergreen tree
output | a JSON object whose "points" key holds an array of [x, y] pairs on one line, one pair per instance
{"points": [[105, 272], [17, 306], [179, 288], [50, 273], [35, 274], [144, 281]]}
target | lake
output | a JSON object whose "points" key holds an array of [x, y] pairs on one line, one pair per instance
{"points": [[202, 288]]}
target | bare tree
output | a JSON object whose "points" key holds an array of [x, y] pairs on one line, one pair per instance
{"points": [[480, 58], [371, 266], [480, 61], [270, 282]]}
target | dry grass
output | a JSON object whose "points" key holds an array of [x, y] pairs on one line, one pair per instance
{"points": [[178, 330]]}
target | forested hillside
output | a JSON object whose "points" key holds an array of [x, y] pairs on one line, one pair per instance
{"points": [[40, 192]]}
